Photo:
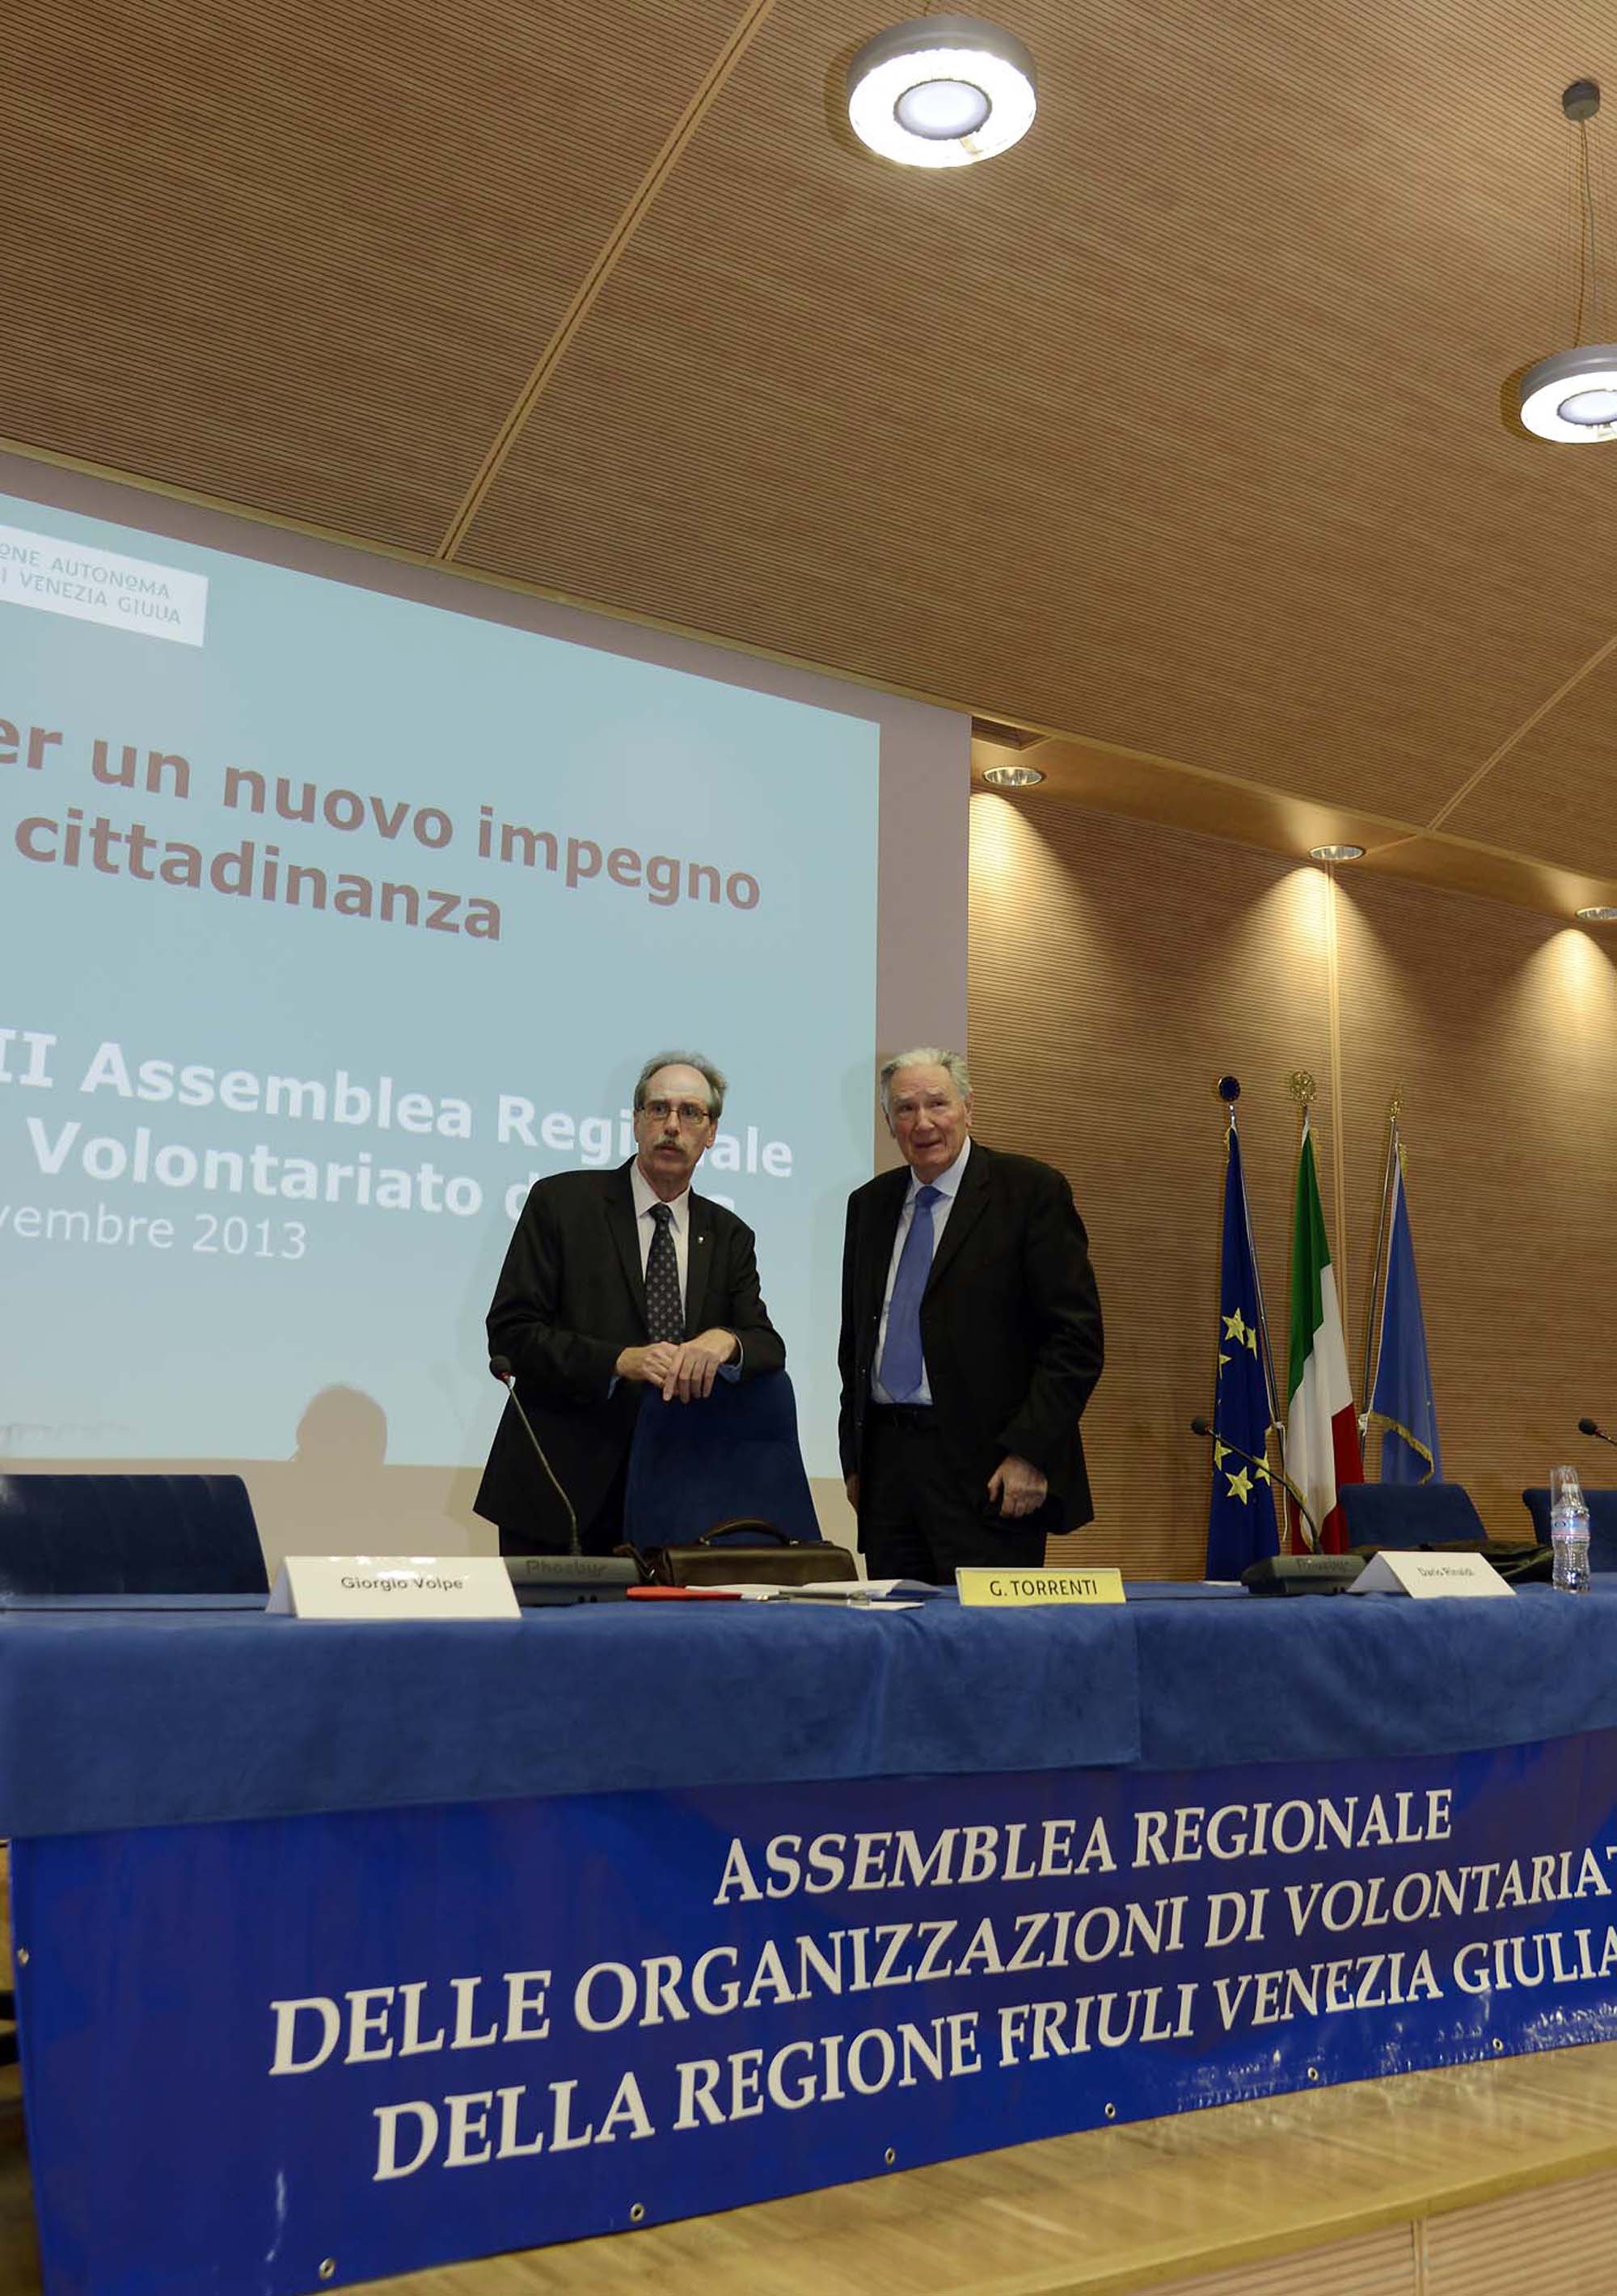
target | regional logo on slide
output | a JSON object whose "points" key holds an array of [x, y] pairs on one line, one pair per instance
{"points": [[92, 585]]}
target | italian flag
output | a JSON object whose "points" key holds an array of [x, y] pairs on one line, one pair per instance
{"points": [[1322, 1430]]}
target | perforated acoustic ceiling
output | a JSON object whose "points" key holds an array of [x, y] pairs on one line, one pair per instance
{"points": [[1177, 431]]}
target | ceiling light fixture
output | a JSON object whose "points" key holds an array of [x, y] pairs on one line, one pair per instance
{"points": [[1571, 397], [1335, 853], [1603, 914], [942, 91], [1012, 776]]}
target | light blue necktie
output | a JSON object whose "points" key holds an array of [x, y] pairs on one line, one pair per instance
{"points": [[902, 1367]]}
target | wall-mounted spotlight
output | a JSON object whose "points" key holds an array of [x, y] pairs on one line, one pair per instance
{"points": [[942, 91]]}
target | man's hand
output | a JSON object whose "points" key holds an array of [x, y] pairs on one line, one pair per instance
{"points": [[652, 1364], [850, 1485], [684, 1369], [696, 1365], [1016, 1487]]}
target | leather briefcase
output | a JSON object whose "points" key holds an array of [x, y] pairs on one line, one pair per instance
{"points": [[747, 1552]]}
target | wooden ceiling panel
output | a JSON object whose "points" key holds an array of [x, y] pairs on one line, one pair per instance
{"points": [[1555, 793], [1179, 427], [301, 258]]}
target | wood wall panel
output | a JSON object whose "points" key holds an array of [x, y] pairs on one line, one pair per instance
{"points": [[1495, 1027], [1383, 2264], [1562, 2239], [1116, 971], [1116, 967]]}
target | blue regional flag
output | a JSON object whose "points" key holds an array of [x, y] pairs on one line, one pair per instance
{"points": [[1241, 1515], [1400, 1395]]}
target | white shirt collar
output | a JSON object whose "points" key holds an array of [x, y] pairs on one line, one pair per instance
{"points": [[948, 1181], [646, 1195]]}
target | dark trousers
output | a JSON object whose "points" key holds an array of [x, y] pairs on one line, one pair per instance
{"points": [[599, 1535], [915, 1519]]}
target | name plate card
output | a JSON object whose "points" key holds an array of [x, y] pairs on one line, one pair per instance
{"points": [[993, 1589], [394, 1587], [1394, 1572]]}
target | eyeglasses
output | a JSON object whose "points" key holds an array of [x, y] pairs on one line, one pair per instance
{"points": [[688, 1114]]}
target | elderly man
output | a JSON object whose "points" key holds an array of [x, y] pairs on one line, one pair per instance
{"points": [[616, 1282], [971, 1341]]}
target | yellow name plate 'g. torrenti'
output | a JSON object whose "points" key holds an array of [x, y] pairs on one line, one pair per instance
{"points": [[1020, 1589]]}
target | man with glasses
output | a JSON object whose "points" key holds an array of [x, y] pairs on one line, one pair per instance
{"points": [[616, 1282], [971, 1341]]}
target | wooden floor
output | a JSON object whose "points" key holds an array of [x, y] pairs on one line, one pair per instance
{"points": [[1498, 2178]]}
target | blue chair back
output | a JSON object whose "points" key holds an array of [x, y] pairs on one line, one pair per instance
{"points": [[1602, 1524], [128, 1535], [695, 1464], [1410, 1514]]}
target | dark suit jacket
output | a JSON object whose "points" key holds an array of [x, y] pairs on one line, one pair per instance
{"points": [[1010, 1323], [570, 1295]]}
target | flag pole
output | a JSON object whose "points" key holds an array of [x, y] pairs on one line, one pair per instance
{"points": [[1378, 1272], [1302, 1085]]}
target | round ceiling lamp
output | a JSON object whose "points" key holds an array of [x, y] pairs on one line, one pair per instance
{"points": [[1571, 397], [941, 92]]}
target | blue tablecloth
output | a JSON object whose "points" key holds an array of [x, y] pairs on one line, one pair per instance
{"points": [[112, 1720]]}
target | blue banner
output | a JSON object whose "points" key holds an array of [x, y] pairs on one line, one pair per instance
{"points": [[269, 2056]]}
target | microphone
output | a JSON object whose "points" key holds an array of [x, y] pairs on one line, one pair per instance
{"points": [[1199, 1426], [1588, 1427], [501, 1367]]}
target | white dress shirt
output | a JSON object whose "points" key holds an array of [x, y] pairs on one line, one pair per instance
{"points": [[947, 1184]]}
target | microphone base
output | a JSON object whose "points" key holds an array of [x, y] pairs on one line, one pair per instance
{"points": [[541, 1581], [1301, 1574]]}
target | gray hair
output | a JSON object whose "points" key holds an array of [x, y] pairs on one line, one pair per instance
{"points": [[924, 1056], [717, 1083]]}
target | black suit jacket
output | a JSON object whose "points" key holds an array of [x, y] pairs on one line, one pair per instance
{"points": [[1010, 1323], [570, 1295]]}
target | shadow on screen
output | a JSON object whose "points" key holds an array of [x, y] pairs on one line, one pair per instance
{"points": [[336, 1494]]}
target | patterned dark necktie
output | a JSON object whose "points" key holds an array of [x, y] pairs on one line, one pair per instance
{"points": [[665, 1309]]}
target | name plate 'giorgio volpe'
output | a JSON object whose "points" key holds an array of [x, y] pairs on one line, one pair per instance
{"points": [[394, 1587]]}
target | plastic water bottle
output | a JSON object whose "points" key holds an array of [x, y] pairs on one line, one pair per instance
{"points": [[1569, 1531]]}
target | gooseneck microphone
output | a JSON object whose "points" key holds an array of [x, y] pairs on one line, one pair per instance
{"points": [[501, 1367], [1199, 1426], [1588, 1427]]}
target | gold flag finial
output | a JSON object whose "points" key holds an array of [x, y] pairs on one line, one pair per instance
{"points": [[1301, 1086], [1395, 1107]]}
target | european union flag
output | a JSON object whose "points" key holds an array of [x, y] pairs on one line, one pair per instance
{"points": [[1400, 1395], [1241, 1515]]}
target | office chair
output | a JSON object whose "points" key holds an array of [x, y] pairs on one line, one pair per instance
{"points": [[128, 1535], [692, 1465], [1411, 1514]]}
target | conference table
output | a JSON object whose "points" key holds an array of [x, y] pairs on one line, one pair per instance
{"points": [[348, 1950]]}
